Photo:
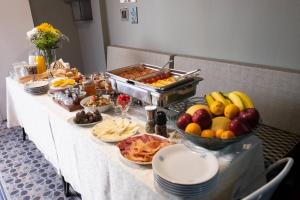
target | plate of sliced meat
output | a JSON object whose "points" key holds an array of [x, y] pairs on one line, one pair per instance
{"points": [[140, 149]]}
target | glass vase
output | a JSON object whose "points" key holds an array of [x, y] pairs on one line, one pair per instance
{"points": [[50, 56]]}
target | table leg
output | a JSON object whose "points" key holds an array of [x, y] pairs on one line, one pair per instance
{"points": [[66, 187], [24, 134]]}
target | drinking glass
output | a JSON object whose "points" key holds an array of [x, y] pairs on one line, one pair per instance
{"points": [[123, 103], [19, 69], [41, 64]]}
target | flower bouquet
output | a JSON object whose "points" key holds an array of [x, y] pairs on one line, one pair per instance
{"points": [[46, 38]]}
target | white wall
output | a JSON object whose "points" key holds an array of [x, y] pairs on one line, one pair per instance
{"points": [[91, 41], [254, 31], [15, 21]]}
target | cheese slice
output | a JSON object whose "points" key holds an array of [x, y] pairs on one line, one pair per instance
{"points": [[114, 129]]}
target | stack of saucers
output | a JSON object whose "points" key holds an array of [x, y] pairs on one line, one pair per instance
{"points": [[37, 87], [182, 172]]}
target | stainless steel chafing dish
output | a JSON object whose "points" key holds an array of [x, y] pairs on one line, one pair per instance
{"points": [[183, 88]]}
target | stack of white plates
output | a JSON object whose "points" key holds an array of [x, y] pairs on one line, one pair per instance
{"points": [[37, 87], [182, 172]]}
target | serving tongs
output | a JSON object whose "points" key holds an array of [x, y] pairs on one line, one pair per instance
{"points": [[191, 74], [163, 69]]}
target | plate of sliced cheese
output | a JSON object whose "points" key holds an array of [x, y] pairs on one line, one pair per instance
{"points": [[114, 129]]}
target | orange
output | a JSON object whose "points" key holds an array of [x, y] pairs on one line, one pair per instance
{"points": [[231, 111], [193, 128], [208, 133], [227, 135], [219, 133]]}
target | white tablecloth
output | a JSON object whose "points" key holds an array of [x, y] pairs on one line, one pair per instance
{"points": [[95, 169]]}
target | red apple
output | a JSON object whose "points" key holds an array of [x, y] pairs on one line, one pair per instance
{"points": [[239, 126], [203, 118], [251, 115], [183, 120]]}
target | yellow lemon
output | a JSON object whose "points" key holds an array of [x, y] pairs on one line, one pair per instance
{"points": [[193, 128], [231, 111], [217, 108]]}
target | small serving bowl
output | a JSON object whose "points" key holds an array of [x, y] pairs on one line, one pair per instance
{"points": [[101, 109]]}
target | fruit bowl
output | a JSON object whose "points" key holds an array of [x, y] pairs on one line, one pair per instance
{"points": [[224, 118], [212, 143]]}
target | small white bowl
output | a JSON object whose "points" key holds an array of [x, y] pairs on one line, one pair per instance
{"points": [[101, 109]]}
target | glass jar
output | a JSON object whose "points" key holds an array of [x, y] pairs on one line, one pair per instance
{"points": [[161, 124], [150, 126], [31, 69], [150, 114], [31, 58], [19, 69], [89, 87]]}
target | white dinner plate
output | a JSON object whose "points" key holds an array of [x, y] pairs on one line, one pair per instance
{"points": [[36, 84], [37, 89], [133, 162], [103, 126], [180, 165], [185, 187], [37, 92], [182, 194]]}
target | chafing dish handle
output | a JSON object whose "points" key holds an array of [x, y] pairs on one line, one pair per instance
{"points": [[149, 97], [184, 90], [115, 85], [130, 82]]}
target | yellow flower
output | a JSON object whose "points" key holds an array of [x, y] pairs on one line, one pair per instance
{"points": [[45, 27]]}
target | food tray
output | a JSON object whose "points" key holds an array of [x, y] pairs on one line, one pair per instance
{"points": [[176, 73], [162, 96]]}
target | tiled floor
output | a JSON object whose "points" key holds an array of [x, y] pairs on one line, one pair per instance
{"points": [[25, 173]]}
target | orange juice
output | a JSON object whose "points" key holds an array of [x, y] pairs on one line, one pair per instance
{"points": [[41, 65]]}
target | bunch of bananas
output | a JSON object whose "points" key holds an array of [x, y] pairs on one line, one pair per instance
{"points": [[229, 104]]}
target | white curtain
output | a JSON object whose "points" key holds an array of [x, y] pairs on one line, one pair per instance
{"points": [[15, 21]]}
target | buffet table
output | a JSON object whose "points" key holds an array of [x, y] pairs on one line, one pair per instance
{"points": [[94, 168]]}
